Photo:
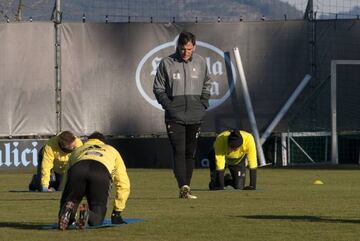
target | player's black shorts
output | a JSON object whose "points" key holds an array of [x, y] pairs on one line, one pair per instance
{"points": [[90, 179]]}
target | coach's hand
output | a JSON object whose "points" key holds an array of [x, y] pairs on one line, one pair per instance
{"points": [[116, 218], [249, 188]]}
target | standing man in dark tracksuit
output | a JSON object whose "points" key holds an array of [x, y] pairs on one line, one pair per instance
{"points": [[92, 170], [182, 87]]}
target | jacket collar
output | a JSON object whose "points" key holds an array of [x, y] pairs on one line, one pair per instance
{"points": [[179, 59]]}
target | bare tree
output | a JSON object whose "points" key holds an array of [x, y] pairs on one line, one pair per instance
{"points": [[18, 15], [15, 9]]}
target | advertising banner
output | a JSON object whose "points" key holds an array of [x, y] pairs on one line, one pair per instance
{"points": [[108, 72], [19, 153], [27, 79]]}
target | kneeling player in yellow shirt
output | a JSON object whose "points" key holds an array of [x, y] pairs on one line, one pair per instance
{"points": [[53, 158], [231, 149], [93, 168]]}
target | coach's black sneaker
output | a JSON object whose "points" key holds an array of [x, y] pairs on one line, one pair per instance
{"points": [[185, 193], [83, 217], [65, 215]]}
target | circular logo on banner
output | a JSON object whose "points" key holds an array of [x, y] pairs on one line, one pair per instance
{"points": [[219, 65]]}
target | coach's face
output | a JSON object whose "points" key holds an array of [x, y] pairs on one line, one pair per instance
{"points": [[186, 51]]}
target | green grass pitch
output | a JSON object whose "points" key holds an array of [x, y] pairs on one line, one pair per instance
{"points": [[287, 206]]}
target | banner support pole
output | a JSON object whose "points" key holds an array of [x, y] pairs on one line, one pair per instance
{"points": [[249, 107]]}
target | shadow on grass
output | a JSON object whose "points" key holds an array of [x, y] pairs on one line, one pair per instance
{"points": [[301, 218], [33, 192], [152, 198], [32, 226], [22, 191], [320, 166], [28, 199], [224, 190], [208, 190], [201, 190]]}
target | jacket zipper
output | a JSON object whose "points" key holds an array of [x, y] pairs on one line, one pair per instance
{"points": [[185, 86]]}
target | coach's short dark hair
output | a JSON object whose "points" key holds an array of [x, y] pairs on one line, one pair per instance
{"points": [[97, 135], [186, 37]]}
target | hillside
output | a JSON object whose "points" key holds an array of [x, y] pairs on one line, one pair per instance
{"points": [[209, 10], [160, 10]]}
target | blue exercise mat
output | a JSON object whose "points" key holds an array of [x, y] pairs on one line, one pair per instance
{"points": [[106, 224]]}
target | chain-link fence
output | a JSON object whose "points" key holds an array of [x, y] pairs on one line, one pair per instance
{"points": [[333, 95], [176, 10], [309, 124]]}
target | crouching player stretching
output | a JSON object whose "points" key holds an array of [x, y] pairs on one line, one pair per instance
{"points": [[231, 149], [92, 170]]}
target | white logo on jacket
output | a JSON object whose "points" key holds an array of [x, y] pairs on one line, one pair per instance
{"points": [[176, 76]]}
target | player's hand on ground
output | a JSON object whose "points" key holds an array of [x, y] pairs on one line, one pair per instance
{"points": [[249, 188], [216, 189], [44, 189], [51, 189], [116, 217], [213, 187]]}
